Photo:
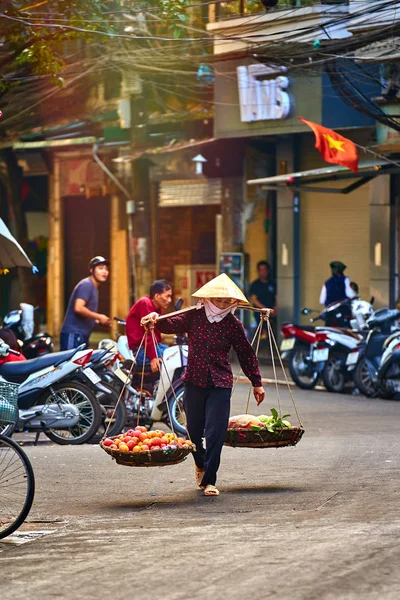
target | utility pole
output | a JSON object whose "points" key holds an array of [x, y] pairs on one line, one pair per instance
{"points": [[141, 219]]}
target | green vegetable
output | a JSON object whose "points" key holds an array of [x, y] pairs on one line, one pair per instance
{"points": [[274, 423]]}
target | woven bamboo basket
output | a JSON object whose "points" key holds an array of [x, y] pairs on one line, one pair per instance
{"points": [[247, 438], [156, 457]]}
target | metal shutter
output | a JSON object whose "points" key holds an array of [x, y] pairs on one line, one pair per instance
{"points": [[334, 227]]}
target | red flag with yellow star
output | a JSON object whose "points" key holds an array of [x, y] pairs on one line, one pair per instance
{"points": [[334, 147]]}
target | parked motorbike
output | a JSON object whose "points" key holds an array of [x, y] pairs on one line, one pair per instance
{"points": [[345, 346], [315, 352], [377, 364], [107, 389], [388, 376], [22, 323], [164, 394], [66, 411]]}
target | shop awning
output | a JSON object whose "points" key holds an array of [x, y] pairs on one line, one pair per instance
{"points": [[308, 181]]}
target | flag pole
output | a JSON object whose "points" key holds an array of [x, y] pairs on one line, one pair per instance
{"points": [[376, 154]]}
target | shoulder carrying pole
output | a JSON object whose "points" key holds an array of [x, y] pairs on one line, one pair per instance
{"points": [[264, 311]]}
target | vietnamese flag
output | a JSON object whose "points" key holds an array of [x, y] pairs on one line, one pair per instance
{"points": [[334, 148]]}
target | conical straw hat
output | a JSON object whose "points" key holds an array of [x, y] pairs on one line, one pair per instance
{"points": [[221, 287]]}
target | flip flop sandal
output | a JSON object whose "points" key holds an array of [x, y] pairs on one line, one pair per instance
{"points": [[199, 474], [211, 490]]}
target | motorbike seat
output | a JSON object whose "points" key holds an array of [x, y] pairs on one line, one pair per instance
{"points": [[17, 372]]}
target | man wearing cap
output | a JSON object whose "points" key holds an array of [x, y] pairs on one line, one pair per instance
{"points": [[337, 287], [212, 331], [82, 315]]}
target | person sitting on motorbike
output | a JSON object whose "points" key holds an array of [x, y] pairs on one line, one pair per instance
{"points": [[9, 337], [159, 299], [337, 287], [354, 287]]}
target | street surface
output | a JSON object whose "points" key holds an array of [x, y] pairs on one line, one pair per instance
{"points": [[319, 521]]}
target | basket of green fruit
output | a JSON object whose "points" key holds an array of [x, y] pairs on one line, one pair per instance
{"points": [[264, 431]]}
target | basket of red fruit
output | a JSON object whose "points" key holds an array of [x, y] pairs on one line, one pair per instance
{"points": [[265, 431], [141, 448]]}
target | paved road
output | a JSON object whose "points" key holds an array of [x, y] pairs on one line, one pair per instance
{"points": [[319, 521]]}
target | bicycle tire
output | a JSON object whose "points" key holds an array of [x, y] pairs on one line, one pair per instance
{"points": [[6, 462]]}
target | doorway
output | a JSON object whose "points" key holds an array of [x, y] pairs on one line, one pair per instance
{"points": [[86, 234]]}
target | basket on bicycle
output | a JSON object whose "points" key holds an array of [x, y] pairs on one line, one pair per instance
{"points": [[154, 455], [8, 402]]}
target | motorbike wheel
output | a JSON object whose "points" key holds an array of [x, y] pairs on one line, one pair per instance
{"points": [[80, 395], [363, 378], [300, 371], [333, 378], [7, 430], [108, 402], [178, 417]]}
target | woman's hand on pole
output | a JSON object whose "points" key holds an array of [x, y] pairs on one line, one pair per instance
{"points": [[149, 319], [259, 394]]}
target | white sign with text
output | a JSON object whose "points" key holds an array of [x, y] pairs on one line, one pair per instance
{"points": [[262, 99]]}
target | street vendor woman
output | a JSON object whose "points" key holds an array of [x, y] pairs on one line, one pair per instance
{"points": [[212, 331]]}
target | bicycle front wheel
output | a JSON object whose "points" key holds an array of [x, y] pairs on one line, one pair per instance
{"points": [[17, 486]]}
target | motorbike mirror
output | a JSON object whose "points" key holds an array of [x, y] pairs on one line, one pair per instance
{"points": [[306, 311], [178, 304], [372, 300], [120, 321]]}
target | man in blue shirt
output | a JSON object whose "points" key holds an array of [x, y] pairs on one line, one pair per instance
{"points": [[82, 315]]}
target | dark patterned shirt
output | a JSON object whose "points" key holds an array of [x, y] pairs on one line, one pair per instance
{"points": [[209, 345]]}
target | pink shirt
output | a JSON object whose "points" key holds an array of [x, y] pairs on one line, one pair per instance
{"points": [[135, 331]]}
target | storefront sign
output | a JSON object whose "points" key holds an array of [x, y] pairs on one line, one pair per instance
{"points": [[262, 99], [189, 278]]}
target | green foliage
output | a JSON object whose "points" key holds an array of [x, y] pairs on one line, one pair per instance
{"points": [[274, 423], [33, 35]]}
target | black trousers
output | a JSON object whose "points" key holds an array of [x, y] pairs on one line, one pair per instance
{"points": [[207, 415]]}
